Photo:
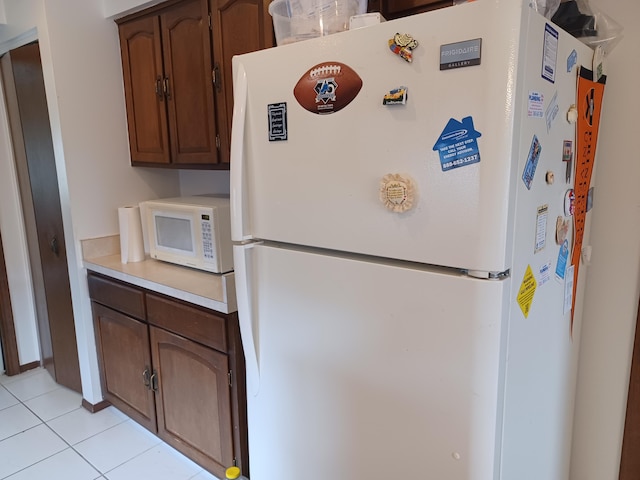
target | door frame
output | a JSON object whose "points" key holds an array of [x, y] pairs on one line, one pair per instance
{"points": [[630, 458], [67, 372], [7, 327]]}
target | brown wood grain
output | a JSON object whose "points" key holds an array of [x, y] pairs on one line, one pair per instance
{"points": [[630, 457], [7, 327], [193, 400], [45, 230], [238, 26], [123, 355]]}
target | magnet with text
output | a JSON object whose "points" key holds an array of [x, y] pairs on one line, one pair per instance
{"points": [[561, 264], [572, 59], [552, 111], [397, 96], [403, 44], [535, 107], [569, 202], [544, 274], [541, 227], [568, 289], [567, 157], [397, 192], [457, 145], [277, 113], [461, 54], [550, 53], [562, 229], [598, 63], [527, 291], [532, 162]]}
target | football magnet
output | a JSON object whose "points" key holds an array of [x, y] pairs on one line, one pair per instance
{"points": [[327, 87]]}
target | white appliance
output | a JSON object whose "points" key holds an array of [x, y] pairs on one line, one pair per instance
{"points": [[387, 344], [192, 231]]}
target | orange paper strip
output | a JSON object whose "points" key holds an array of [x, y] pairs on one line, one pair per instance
{"points": [[589, 102]]}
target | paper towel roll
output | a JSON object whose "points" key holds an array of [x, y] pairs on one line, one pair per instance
{"points": [[131, 241]]}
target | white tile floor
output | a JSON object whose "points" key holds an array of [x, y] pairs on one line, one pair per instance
{"points": [[45, 434]]}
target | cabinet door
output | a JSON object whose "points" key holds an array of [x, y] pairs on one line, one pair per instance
{"points": [[193, 400], [239, 26], [125, 364], [141, 51], [189, 84], [401, 8]]}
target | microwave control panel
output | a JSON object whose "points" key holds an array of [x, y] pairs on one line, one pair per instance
{"points": [[207, 237]]}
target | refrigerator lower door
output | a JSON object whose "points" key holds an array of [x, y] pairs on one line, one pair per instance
{"points": [[370, 369]]}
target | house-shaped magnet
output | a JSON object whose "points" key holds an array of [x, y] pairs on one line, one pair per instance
{"points": [[457, 144]]}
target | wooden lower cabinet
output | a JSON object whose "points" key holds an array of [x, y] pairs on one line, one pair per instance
{"points": [[173, 368], [125, 364], [193, 391]]}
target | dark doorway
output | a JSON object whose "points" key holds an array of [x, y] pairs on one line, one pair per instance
{"points": [[37, 179]]}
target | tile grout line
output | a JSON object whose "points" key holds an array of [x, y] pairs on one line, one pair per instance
{"points": [[101, 474], [42, 422]]}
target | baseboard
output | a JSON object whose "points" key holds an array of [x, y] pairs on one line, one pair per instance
{"points": [[93, 408], [29, 366]]}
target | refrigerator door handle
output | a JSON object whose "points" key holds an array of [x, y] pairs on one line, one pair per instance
{"points": [[242, 256], [238, 213]]}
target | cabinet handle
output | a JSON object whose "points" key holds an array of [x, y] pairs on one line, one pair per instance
{"points": [[146, 378], [165, 86], [215, 74], [53, 245], [154, 381], [159, 93]]}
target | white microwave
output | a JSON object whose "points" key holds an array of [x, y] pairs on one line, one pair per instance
{"points": [[191, 231]]}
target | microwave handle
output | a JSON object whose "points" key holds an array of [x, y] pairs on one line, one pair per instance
{"points": [[237, 180]]}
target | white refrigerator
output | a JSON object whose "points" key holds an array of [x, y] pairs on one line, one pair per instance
{"points": [[401, 288]]}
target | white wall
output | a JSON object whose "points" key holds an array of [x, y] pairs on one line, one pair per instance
{"points": [[83, 82], [196, 182], [614, 275]]}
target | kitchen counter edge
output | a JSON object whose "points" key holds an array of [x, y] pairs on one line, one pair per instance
{"points": [[175, 281]]}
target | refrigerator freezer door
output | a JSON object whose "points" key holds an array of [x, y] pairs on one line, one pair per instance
{"points": [[366, 368], [319, 185]]}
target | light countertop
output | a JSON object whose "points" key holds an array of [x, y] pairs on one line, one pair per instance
{"points": [[209, 290]]}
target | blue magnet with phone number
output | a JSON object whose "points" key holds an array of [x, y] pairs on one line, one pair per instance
{"points": [[457, 144]]}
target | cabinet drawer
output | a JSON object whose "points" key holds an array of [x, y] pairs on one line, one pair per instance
{"points": [[116, 295], [197, 325]]}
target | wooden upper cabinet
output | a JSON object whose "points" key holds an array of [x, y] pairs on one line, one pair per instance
{"points": [[238, 26], [167, 67], [143, 73], [188, 92], [176, 61]]}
